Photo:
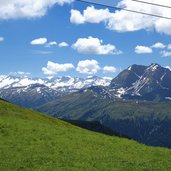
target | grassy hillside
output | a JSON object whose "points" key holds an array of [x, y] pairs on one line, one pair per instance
{"points": [[147, 122], [31, 141]]}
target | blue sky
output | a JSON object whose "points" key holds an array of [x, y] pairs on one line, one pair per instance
{"points": [[18, 54]]}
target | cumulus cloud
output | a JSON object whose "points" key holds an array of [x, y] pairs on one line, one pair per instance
{"points": [[123, 21], [76, 17], [12, 9], [63, 44], [165, 53], [88, 67], [53, 68], [158, 45], [44, 41], [90, 15], [50, 44], [92, 45], [1, 39], [143, 50], [39, 41], [109, 69]]}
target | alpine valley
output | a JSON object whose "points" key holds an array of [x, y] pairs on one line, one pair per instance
{"points": [[136, 104], [85, 85]]}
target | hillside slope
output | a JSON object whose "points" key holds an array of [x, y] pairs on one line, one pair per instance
{"points": [[146, 122], [31, 141]]}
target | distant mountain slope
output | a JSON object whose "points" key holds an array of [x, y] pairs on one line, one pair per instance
{"points": [[31, 141], [147, 122], [31, 96], [33, 92], [96, 127], [143, 83]]}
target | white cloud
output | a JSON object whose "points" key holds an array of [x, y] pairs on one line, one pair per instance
{"points": [[158, 45], [143, 50], [109, 69], [44, 41], [90, 15], [169, 46], [1, 39], [12, 9], [63, 44], [76, 17], [51, 44], [88, 67], [42, 52], [123, 21], [92, 45], [23, 73], [39, 41], [53, 68], [20, 73], [165, 53]]}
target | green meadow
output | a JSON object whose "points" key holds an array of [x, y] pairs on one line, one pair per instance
{"points": [[32, 141]]}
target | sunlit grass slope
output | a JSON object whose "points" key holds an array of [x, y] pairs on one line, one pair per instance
{"points": [[32, 141]]}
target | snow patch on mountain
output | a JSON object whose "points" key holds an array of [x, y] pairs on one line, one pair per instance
{"points": [[153, 67], [121, 91], [54, 83], [168, 98]]}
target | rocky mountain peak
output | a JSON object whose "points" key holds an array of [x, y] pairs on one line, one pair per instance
{"points": [[144, 82]]}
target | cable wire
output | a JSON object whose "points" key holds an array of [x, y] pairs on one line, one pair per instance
{"points": [[123, 9], [150, 3]]}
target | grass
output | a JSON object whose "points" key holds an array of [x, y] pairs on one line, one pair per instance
{"points": [[146, 122], [80, 103], [32, 141]]}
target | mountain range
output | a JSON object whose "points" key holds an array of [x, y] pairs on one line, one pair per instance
{"points": [[151, 83], [136, 103], [33, 92]]}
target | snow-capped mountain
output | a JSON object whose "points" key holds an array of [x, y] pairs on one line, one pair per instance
{"points": [[7, 81], [136, 82], [32, 92], [143, 82]]}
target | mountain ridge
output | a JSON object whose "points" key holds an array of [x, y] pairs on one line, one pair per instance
{"points": [[143, 83], [137, 82], [11, 81], [148, 122], [30, 93]]}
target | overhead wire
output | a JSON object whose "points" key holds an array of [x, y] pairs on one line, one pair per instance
{"points": [[150, 3], [124, 9]]}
